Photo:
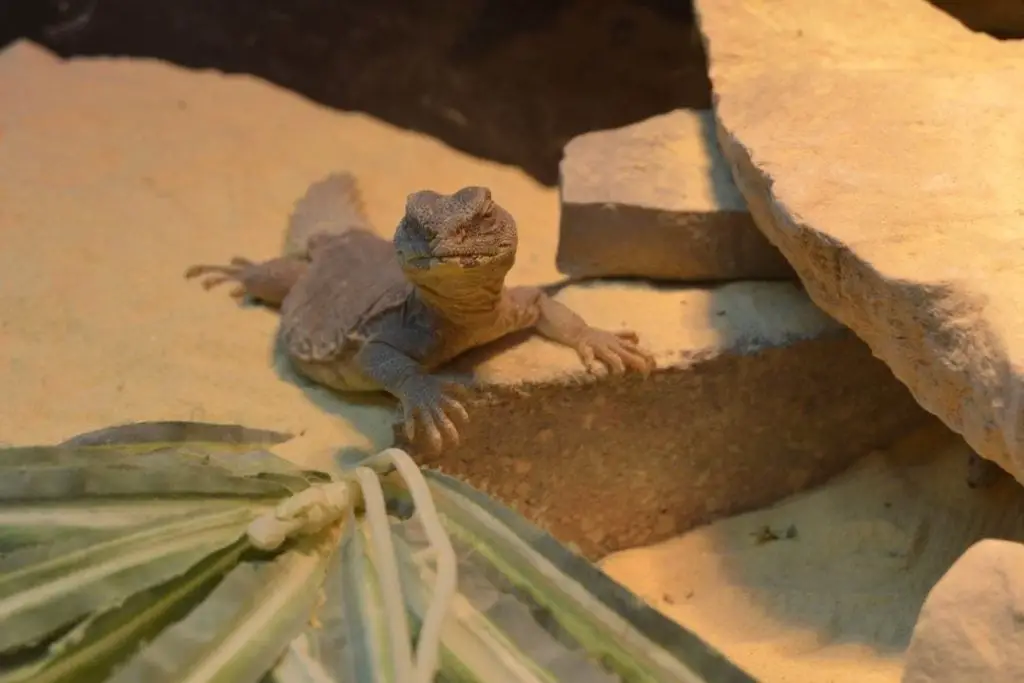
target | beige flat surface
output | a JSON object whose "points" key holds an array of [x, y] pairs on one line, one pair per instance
{"points": [[116, 175], [668, 162], [676, 324]]}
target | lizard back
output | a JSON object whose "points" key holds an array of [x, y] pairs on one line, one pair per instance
{"points": [[353, 275]]}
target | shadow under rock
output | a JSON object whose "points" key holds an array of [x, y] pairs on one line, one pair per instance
{"points": [[867, 549], [506, 80]]}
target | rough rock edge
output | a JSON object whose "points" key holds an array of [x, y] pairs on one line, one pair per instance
{"points": [[951, 314], [614, 463], [964, 631]]}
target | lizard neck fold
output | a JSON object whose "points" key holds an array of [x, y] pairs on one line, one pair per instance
{"points": [[467, 297]]}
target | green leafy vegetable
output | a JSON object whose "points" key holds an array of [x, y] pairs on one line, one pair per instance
{"points": [[177, 552]]}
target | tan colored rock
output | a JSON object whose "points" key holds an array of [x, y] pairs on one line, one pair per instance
{"points": [[656, 199], [757, 395], [970, 625], [879, 145]]}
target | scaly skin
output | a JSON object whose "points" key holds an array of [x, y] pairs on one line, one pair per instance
{"points": [[361, 314]]}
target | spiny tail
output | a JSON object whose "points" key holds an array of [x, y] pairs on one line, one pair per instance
{"points": [[333, 205]]}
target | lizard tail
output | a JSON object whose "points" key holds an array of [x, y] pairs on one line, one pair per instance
{"points": [[333, 205]]}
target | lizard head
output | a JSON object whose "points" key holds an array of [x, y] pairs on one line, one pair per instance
{"points": [[455, 245], [467, 230]]}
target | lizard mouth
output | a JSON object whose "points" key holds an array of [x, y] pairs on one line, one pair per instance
{"points": [[463, 253], [463, 259], [468, 255]]}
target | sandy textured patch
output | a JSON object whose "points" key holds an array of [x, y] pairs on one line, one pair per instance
{"points": [[837, 602], [116, 175]]}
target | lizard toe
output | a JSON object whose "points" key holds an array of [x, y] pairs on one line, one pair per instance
{"points": [[455, 410], [611, 357], [639, 360], [589, 360], [448, 433], [419, 423], [616, 352], [456, 387], [435, 440], [409, 429], [408, 422], [430, 408], [628, 336], [206, 269], [211, 282]]}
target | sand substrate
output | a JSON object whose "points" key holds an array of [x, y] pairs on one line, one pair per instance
{"points": [[116, 175]]}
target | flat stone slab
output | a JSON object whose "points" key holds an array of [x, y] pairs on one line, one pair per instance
{"points": [[969, 627], [656, 199], [880, 147], [757, 395]]}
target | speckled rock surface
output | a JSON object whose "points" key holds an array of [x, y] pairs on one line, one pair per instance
{"points": [[880, 148], [969, 627], [656, 199], [757, 395]]}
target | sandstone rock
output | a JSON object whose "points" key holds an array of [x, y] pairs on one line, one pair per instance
{"points": [[656, 199], [880, 148], [969, 627], [758, 395]]}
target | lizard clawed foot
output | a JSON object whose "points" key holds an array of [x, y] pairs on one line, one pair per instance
{"points": [[217, 275], [602, 351], [268, 282], [428, 407]]}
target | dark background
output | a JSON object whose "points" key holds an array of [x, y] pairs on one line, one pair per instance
{"points": [[507, 80]]}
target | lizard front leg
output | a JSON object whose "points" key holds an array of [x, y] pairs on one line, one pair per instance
{"points": [[427, 404], [268, 282], [600, 350]]}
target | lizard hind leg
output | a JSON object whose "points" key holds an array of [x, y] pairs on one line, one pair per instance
{"points": [[268, 282]]}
